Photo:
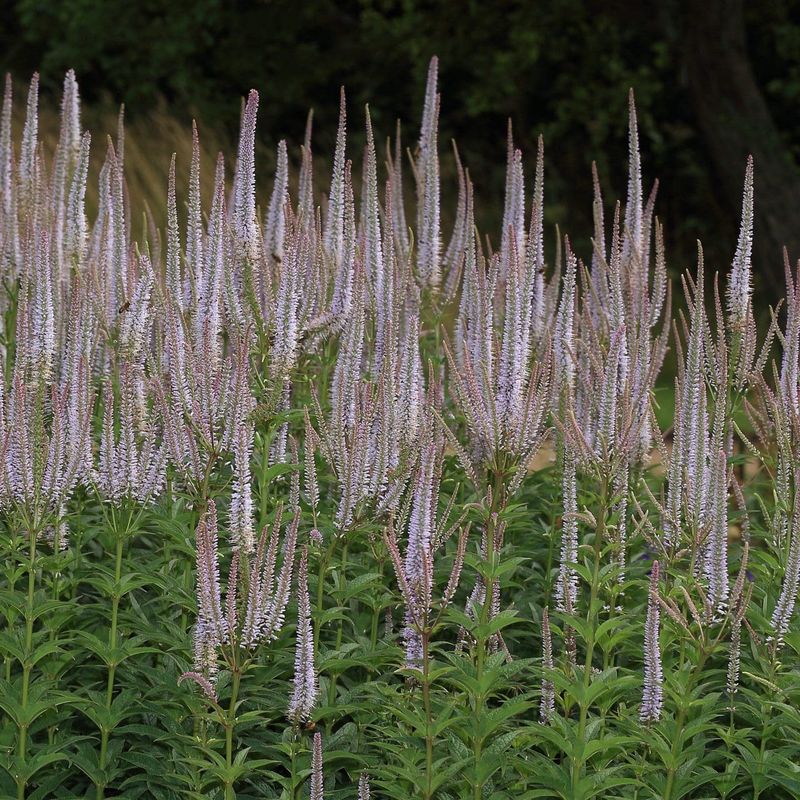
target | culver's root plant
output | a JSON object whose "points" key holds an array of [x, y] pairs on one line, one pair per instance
{"points": [[329, 494]]}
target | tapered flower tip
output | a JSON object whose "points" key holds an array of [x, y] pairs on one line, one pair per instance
{"points": [[203, 682], [654, 575], [740, 280], [315, 536], [433, 67], [633, 129]]}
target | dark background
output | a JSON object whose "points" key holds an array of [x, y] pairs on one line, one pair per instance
{"points": [[714, 81]]}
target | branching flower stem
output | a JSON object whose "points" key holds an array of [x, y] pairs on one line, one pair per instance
{"points": [[237, 662]]}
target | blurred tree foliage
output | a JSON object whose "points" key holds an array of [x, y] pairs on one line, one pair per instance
{"points": [[559, 67]]}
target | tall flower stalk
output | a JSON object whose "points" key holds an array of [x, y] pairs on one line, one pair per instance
{"points": [[306, 688], [653, 694]]}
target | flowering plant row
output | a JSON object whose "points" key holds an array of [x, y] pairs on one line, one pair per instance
{"points": [[329, 498]]}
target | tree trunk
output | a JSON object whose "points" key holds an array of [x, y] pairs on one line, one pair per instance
{"points": [[734, 120]]}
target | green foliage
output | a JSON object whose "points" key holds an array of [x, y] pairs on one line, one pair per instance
{"points": [[141, 734]]}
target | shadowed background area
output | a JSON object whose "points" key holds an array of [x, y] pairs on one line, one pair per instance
{"points": [[714, 81]]}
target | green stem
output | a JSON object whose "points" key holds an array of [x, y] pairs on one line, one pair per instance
{"points": [[230, 723], [340, 632], [477, 740], [205, 484], [373, 631], [22, 740], [293, 778], [426, 699], [323, 568], [680, 722], [57, 574], [479, 699], [766, 714], [591, 619], [112, 667]]}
